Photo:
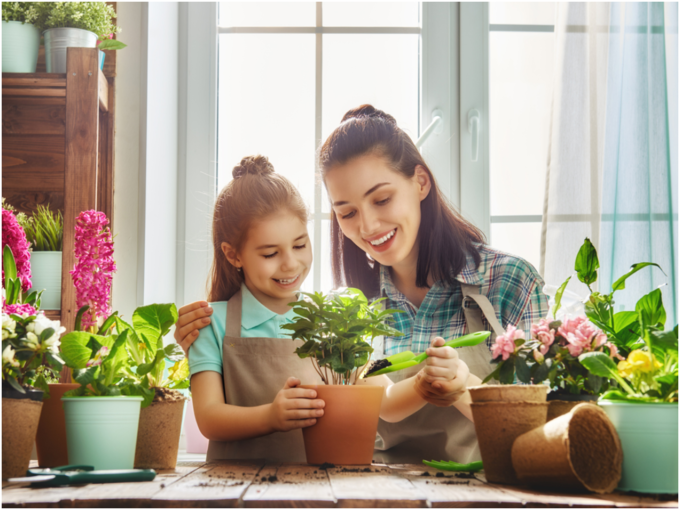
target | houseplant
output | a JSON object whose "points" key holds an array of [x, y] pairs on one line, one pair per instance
{"points": [[337, 331], [45, 230], [20, 37]]}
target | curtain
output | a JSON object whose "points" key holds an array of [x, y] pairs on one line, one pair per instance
{"points": [[612, 168]]}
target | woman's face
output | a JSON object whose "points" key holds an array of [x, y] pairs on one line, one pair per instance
{"points": [[378, 208]]}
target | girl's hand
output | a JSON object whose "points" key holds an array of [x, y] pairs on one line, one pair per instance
{"points": [[192, 317], [294, 408], [443, 381]]}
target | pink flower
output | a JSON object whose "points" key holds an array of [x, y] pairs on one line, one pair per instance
{"points": [[19, 309], [614, 351], [15, 237], [93, 273], [581, 335], [543, 334], [99, 357], [505, 344]]}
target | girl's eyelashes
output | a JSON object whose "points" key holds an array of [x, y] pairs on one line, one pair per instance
{"points": [[383, 201], [348, 215], [270, 255], [300, 246]]}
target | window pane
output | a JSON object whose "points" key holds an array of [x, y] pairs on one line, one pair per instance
{"points": [[267, 14], [326, 275], [522, 13], [381, 70], [521, 239], [371, 14], [260, 77], [520, 91]]}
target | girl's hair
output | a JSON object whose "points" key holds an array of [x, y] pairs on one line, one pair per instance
{"points": [[445, 237], [255, 192]]}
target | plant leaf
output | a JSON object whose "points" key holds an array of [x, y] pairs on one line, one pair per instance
{"points": [[587, 263], [9, 265], [600, 364], [154, 321], [15, 384], [651, 310], [74, 349], [523, 369], [620, 284], [507, 372], [79, 317], [558, 297]]}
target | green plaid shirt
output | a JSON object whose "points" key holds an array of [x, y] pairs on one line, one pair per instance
{"points": [[512, 285]]}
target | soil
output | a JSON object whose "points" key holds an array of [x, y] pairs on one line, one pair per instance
{"points": [[167, 395], [377, 365], [326, 465]]}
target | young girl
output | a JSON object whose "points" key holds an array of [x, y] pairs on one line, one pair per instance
{"points": [[244, 372]]}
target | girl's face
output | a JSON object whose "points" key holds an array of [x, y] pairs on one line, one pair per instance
{"points": [[276, 258], [378, 208]]}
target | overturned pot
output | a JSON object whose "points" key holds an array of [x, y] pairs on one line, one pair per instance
{"points": [[160, 425]]}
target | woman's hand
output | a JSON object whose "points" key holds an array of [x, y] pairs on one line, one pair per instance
{"points": [[294, 408], [192, 317], [443, 381]]}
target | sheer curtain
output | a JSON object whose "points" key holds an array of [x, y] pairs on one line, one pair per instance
{"points": [[612, 167]]}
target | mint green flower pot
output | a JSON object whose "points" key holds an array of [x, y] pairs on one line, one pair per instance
{"points": [[649, 438], [102, 431], [46, 275], [20, 43]]}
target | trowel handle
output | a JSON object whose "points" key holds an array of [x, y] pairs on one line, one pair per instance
{"points": [[463, 341]]}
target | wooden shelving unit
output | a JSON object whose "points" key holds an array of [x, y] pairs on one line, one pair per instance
{"points": [[57, 148]]}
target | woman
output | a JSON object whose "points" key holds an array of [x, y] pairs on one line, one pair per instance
{"points": [[394, 234]]}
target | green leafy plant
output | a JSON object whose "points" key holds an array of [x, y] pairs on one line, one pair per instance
{"points": [[335, 329], [14, 294], [45, 229], [93, 16], [25, 12]]}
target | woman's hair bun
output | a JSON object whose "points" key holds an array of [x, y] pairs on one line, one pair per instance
{"points": [[370, 111], [253, 165]]}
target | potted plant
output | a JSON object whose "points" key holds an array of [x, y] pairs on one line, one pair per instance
{"points": [[45, 230], [30, 356], [337, 331], [20, 37], [79, 24], [160, 421]]}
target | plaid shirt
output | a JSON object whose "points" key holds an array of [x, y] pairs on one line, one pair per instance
{"points": [[512, 285]]}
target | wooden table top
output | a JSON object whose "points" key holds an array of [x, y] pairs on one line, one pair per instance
{"points": [[257, 484]]}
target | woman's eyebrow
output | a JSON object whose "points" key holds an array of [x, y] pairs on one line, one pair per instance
{"points": [[379, 185], [264, 246]]}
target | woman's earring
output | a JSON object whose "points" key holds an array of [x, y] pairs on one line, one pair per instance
{"points": [[240, 270]]}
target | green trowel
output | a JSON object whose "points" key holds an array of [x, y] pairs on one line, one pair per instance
{"points": [[407, 359]]}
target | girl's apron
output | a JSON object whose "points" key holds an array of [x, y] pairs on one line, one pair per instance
{"points": [[439, 433], [254, 370]]}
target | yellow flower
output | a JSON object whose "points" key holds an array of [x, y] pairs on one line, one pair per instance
{"points": [[624, 369], [638, 361]]}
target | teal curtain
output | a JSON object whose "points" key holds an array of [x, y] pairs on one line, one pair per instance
{"points": [[639, 215]]}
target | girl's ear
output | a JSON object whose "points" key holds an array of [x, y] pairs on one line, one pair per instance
{"points": [[424, 182], [231, 255]]}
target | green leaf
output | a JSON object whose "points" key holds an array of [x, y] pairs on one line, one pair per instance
{"points": [[41, 383], [507, 373], [587, 263], [493, 375], [179, 371], [173, 352], [154, 321], [542, 371], [600, 364], [79, 317], [111, 44], [620, 284], [74, 349], [523, 370], [15, 384], [558, 297], [9, 265], [85, 376], [108, 323], [665, 341], [651, 310]]}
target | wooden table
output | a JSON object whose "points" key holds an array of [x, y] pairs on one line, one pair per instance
{"points": [[256, 484]]}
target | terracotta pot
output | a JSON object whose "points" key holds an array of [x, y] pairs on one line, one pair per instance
{"points": [[509, 393], [498, 424], [562, 404], [577, 450], [160, 425], [50, 442], [345, 434], [19, 425]]}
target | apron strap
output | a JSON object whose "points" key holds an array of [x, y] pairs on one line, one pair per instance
{"points": [[474, 317], [233, 326]]}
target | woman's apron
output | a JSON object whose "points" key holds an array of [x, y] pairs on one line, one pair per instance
{"points": [[439, 433], [254, 370]]}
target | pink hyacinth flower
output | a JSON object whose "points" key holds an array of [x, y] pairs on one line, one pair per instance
{"points": [[581, 335], [24, 310], [15, 237], [505, 344], [543, 334]]}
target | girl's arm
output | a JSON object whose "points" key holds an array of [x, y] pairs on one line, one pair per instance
{"points": [[292, 408]]}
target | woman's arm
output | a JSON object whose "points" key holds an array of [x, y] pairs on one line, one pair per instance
{"points": [[292, 408]]}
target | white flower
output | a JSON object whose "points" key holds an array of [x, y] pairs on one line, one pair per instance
{"points": [[8, 323], [32, 340], [41, 323], [8, 357]]}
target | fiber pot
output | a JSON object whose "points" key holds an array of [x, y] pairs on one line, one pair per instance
{"points": [[46, 274], [160, 425], [498, 424], [563, 403], [649, 437], [102, 431], [20, 416], [508, 393], [50, 441], [20, 44], [58, 39], [345, 434], [577, 450]]}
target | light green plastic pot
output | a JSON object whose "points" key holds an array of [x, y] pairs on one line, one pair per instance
{"points": [[102, 431], [649, 438], [20, 43], [46, 275]]}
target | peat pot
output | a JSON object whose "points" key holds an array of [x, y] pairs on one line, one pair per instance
{"points": [[20, 416], [649, 437], [563, 403], [20, 44], [160, 425], [345, 434], [58, 39], [509, 393], [46, 275], [50, 442], [102, 431]]}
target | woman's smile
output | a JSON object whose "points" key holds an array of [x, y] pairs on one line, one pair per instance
{"points": [[382, 242]]}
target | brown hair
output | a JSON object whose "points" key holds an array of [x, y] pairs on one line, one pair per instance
{"points": [[255, 192], [445, 237]]}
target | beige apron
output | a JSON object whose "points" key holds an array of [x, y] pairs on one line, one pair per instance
{"points": [[440, 433], [254, 370]]}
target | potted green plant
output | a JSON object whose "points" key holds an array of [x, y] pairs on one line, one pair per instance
{"points": [[160, 422], [45, 231], [337, 331], [20, 37]]}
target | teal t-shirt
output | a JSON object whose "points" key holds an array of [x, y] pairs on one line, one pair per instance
{"points": [[256, 321]]}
